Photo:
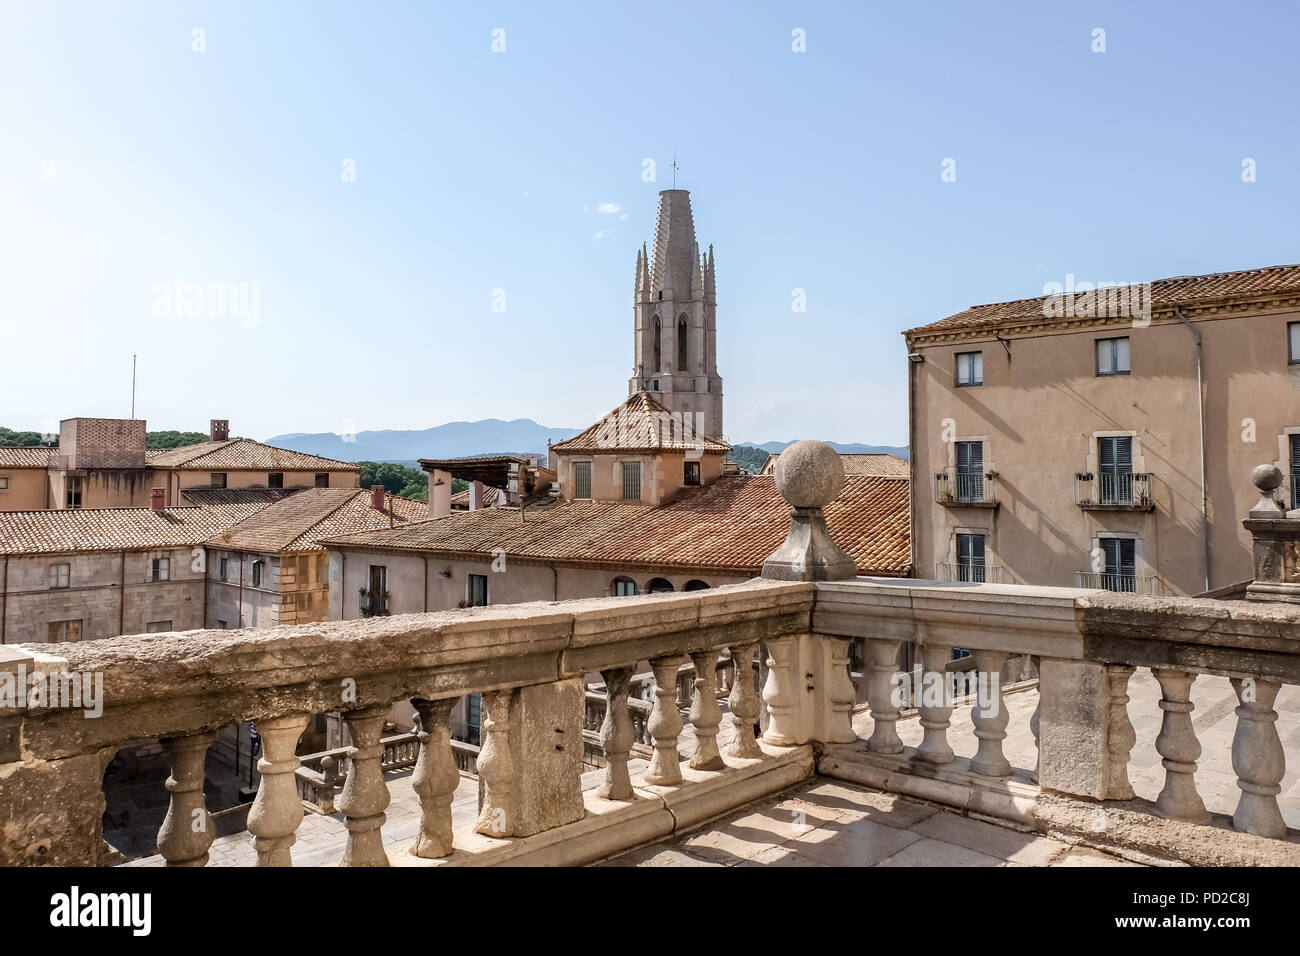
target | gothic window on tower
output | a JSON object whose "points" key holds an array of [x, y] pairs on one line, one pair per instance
{"points": [[681, 344], [658, 349]]}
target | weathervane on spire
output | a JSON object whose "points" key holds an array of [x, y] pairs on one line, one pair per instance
{"points": [[674, 167]]}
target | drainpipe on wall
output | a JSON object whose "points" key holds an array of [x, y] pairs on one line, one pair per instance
{"points": [[121, 596], [426, 582], [4, 601], [241, 594], [1200, 403], [911, 459]]}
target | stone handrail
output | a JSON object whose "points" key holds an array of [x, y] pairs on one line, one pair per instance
{"points": [[322, 774], [527, 660]]}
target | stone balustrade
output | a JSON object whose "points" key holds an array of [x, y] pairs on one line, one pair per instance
{"points": [[529, 662], [320, 775]]}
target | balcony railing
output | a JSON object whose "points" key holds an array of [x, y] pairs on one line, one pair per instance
{"points": [[966, 489], [952, 571], [1127, 491], [1112, 581], [528, 662]]}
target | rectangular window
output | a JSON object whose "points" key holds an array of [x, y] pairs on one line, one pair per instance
{"points": [[1120, 572], [582, 479], [1115, 468], [275, 479], [257, 573], [222, 625], [970, 471], [473, 717], [160, 569], [692, 473], [1112, 356], [970, 558], [4, 483], [60, 575], [63, 632], [225, 564], [323, 480], [624, 587], [478, 590], [217, 479], [1293, 342], [1295, 471], [970, 368], [157, 627], [631, 481], [73, 499]]}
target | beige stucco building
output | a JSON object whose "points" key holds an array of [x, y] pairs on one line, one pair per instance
{"points": [[1073, 439], [104, 463]]}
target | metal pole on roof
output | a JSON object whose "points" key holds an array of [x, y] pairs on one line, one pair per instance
{"points": [[133, 358]]}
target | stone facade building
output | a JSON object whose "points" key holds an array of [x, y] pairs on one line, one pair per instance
{"points": [[1101, 438], [103, 463]]}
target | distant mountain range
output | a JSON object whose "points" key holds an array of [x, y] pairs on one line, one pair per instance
{"points": [[486, 437], [851, 448]]}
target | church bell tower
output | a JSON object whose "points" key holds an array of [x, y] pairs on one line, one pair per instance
{"points": [[675, 306]]}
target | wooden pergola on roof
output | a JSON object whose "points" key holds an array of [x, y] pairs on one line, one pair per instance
{"points": [[493, 470]]}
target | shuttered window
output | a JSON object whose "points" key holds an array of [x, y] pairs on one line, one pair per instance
{"points": [[582, 479], [970, 557], [1115, 464], [1295, 471], [1120, 573], [631, 481]]}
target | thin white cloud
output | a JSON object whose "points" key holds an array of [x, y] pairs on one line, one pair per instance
{"points": [[608, 208]]}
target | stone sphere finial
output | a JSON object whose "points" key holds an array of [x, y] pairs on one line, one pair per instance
{"points": [[809, 474], [1266, 477]]}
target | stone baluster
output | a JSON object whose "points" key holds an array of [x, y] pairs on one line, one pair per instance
{"points": [[665, 725], [779, 694], [1120, 736], [763, 715], [882, 665], [616, 735], [496, 767], [435, 778], [989, 715], [1179, 748], [743, 703], [934, 719], [186, 832], [841, 696], [1036, 717], [705, 712], [365, 795], [276, 812], [1258, 758]]}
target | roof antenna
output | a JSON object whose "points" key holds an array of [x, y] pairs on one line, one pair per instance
{"points": [[133, 357], [674, 167]]}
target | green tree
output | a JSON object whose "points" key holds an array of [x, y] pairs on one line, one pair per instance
{"points": [[10, 437], [173, 439]]}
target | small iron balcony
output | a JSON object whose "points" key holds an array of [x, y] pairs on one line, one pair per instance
{"points": [[1124, 491], [966, 489]]}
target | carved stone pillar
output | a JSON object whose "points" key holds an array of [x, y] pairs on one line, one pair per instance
{"points": [[705, 712], [1036, 717], [841, 694], [779, 693], [365, 795], [496, 768], [882, 665], [665, 725], [435, 778], [277, 810], [934, 719], [989, 715], [186, 832], [743, 703], [1258, 758], [1121, 736], [1179, 748], [616, 735]]}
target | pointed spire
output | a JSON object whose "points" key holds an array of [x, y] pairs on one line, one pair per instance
{"points": [[710, 278], [674, 252], [644, 287], [640, 275], [697, 278]]}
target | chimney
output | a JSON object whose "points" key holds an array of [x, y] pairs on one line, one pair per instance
{"points": [[219, 429], [158, 499], [377, 497]]}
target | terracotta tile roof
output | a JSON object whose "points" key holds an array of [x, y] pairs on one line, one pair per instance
{"points": [[242, 453], [26, 456], [490, 495], [235, 496], [1184, 290], [115, 529], [884, 465], [730, 525], [642, 423], [298, 522]]}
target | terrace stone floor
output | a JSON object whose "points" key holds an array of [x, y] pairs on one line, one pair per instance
{"points": [[842, 824]]}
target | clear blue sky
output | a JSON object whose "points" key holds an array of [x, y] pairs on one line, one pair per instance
{"points": [[478, 170]]}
